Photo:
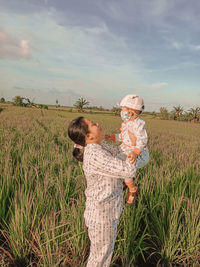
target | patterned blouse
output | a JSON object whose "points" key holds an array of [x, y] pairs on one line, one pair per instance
{"points": [[103, 172]]}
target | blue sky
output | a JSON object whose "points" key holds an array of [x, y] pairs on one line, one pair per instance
{"points": [[101, 51]]}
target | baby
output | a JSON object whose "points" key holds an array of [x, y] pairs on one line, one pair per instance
{"points": [[131, 107]]}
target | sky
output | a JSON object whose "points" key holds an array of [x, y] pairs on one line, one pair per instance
{"points": [[101, 51]]}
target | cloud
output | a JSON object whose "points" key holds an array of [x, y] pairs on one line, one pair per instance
{"points": [[195, 47], [11, 48], [154, 86], [177, 45]]}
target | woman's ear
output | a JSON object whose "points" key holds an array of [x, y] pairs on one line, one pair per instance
{"points": [[88, 137]]}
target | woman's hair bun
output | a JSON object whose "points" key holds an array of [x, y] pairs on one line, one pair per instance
{"points": [[78, 154]]}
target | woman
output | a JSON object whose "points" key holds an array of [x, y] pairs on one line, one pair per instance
{"points": [[104, 192]]}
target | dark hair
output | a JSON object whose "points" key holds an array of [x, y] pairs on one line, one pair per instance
{"points": [[77, 131]]}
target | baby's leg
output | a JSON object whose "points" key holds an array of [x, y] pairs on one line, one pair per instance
{"points": [[132, 193], [133, 190]]}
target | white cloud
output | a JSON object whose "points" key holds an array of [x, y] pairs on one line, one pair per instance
{"points": [[195, 47], [154, 86], [12, 48], [177, 45]]}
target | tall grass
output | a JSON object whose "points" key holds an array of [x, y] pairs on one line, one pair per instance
{"points": [[42, 194]]}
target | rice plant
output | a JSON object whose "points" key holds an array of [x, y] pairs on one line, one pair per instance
{"points": [[42, 194]]}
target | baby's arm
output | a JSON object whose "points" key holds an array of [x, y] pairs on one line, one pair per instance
{"points": [[132, 156], [113, 137]]}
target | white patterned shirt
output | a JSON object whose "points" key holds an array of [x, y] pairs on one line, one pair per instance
{"points": [[103, 172]]}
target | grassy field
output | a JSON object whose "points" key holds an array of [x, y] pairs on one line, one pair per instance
{"points": [[42, 194]]}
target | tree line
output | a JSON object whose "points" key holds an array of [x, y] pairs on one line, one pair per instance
{"points": [[177, 113]]}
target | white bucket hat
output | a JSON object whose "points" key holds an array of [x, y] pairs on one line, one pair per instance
{"points": [[133, 101]]}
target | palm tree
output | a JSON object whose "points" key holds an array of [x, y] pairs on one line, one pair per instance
{"points": [[194, 113], [28, 103], [80, 103], [163, 110], [177, 111]]}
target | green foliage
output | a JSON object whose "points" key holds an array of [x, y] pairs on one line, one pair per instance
{"points": [[18, 101], [2, 100], [80, 103], [194, 114], [101, 108], [42, 194], [177, 111], [57, 105], [23, 102], [116, 110], [42, 106]]}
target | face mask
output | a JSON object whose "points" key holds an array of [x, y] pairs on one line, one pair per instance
{"points": [[125, 116]]}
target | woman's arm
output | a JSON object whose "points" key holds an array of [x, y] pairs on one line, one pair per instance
{"points": [[102, 162], [114, 150]]}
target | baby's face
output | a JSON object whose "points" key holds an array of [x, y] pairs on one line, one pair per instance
{"points": [[130, 110]]}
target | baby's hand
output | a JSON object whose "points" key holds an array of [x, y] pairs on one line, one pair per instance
{"points": [[108, 137], [132, 157]]}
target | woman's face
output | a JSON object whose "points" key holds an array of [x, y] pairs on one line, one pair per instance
{"points": [[95, 132]]}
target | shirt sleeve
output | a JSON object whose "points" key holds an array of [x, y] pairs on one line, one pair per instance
{"points": [[102, 162], [114, 150], [141, 136]]}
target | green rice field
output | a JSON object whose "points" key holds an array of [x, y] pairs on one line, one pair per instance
{"points": [[42, 193]]}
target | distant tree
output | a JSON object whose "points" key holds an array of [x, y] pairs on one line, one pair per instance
{"points": [[164, 113], [116, 110], [28, 103], [177, 111], [101, 108], [154, 114], [163, 110], [2, 100], [57, 103], [18, 101], [194, 113], [80, 103], [23, 102], [42, 106]]}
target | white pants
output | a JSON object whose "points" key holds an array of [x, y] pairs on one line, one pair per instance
{"points": [[102, 240]]}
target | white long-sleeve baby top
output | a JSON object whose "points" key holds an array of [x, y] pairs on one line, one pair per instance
{"points": [[137, 127]]}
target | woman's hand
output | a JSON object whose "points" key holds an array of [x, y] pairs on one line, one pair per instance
{"points": [[133, 138]]}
